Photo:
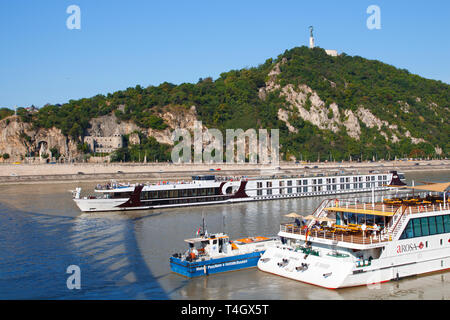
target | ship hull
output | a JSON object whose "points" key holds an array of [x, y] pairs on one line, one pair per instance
{"points": [[336, 273], [213, 266]]}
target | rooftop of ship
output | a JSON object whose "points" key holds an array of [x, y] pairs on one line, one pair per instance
{"points": [[115, 186], [323, 226]]}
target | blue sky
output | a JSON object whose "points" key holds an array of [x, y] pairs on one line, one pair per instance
{"points": [[125, 43]]}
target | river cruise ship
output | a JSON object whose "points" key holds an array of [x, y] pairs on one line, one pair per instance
{"points": [[211, 189], [347, 243]]}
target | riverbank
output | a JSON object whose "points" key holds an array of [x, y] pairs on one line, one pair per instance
{"points": [[29, 173]]}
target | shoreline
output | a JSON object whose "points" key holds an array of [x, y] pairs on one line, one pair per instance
{"points": [[86, 172]]}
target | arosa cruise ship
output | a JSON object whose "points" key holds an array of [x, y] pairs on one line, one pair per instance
{"points": [[209, 189], [347, 243]]}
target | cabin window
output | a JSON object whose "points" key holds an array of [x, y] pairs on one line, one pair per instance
{"points": [[416, 227], [425, 229], [408, 232], [259, 186], [432, 225], [305, 182], [447, 223], [440, 224]]}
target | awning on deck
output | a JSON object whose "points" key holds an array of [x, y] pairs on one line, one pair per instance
{"points": [[361, 211], [436, 187]]}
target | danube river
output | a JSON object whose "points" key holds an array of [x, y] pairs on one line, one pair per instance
{"points": [[125, 255]]}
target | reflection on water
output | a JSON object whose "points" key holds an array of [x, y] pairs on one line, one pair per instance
{"points": [[125, 255]]}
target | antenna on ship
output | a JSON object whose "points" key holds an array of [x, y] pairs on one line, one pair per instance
{"points": [[223, 224]]}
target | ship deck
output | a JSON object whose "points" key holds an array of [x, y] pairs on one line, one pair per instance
{"points": [[353, 233]]}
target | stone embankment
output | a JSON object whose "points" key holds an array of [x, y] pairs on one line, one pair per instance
{"points": [[25, 173]]}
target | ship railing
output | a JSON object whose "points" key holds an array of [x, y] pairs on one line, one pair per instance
{"points": [[331, 234]]}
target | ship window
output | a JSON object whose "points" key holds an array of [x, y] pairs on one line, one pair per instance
{"points": [[439, 224], [432, 225], [289, 183], [408, 232], [319, 181], [305, 182], [419, 227], [447, 223], [425, 230], [416, 228]]}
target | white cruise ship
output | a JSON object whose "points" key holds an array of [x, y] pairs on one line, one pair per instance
{"points": [[210, 189], [347, 243]]}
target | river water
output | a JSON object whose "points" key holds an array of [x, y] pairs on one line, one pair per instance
{"points": [[125, 255]]}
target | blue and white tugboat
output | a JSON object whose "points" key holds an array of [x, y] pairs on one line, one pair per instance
{"points": [[215, 253]]}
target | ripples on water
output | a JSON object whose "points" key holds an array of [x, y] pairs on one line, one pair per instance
{"points": [[125, 255]]}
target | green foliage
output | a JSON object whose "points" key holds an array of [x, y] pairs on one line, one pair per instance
{"points": [[5, 156], [5, 112], [148, 147], [378, 87], [55, 153]]}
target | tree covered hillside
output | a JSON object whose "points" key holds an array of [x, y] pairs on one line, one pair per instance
{"points": [[391, 112]]}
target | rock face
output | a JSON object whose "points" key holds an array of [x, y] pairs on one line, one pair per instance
{"points": [[306, 103], [19, 140]]}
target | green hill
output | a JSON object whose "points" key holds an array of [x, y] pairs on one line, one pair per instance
{"points": [[333, 107]]}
